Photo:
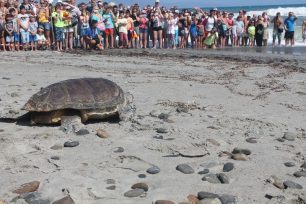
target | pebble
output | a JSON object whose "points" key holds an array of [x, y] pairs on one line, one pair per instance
{"points": [[241, 151], [65, 200], [289, 164], [163, 116], [71, 144], [228, 167], [163, 202], [161, 130], [27, 187], [112, 187], [289, 136], [182, 110], [251, 140], [82, 132], [55, 157], [205, 171], [227, 199], [134, 193], [119, 150], [102, 133], [203, 194], [1, 130], [300, 174], [277, 182], [57, 147], [142, 186], [240, 157], [192, 199], [34, 198], [213, 141], [185, 169], [14, 94], [153, 170], [159, 137], [211, 178], [291, 184], [210, 201], [142, 176], [110, 181], [223, 178], [280, 139]]}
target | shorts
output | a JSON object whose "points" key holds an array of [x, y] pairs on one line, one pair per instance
{"points": [[32, 38], [109, 31], [59, 34], [82, 31], [136, 29], [143, 30], [289, 35], [9, 39], [157, 28], [68, 29], [25, 37], [45, 26]]}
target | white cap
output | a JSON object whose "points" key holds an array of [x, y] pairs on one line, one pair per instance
{"points": [[156, 1]]}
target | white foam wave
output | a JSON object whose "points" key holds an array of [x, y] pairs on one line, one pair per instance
{"points": [[298, 11]]}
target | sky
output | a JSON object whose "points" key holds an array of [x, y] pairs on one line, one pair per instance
{"points": [[213, 3]]}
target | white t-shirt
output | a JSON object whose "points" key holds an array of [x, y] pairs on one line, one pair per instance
{"points": [[24, 20], [41, 37], [210, 24], [122, 24], [171, 26]]}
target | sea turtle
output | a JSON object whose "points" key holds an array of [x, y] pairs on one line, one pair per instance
{"points": [[89, 98]]}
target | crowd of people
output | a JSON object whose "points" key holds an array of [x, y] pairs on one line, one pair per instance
{"points": [[66, 25]]}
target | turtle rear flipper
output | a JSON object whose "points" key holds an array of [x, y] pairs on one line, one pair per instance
{"points": [[12, 116]]}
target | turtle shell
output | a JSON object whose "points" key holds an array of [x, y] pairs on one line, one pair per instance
{"points": [[80, 94]]}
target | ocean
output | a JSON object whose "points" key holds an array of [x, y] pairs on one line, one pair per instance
{"points": [[298, 9]]}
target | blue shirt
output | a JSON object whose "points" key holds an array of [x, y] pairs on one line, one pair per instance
{"points": [[108, 19], [91, 32], [290, 23]]}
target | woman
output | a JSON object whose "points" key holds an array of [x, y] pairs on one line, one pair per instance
{"points": [[143, 29], [157, 28], [259, 29], [265, 24], [43, 20], [278, 28], [3, 9]]}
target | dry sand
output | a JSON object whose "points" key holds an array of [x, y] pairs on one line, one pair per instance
{"points": [[215, 101]]}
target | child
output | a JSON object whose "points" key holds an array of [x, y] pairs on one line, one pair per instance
{"points": [[171, 31], [123, 31], [210, 41], [201, 32], [2, 40], [130, 27], [33, 31], [251, 31], [59, 25], [9, 32], [42, 42], [24, 24], [16, 32], [194, 33]]}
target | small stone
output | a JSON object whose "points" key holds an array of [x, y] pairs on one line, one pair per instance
{"points": [[211, 178], [227, 199], [163, 202], [289, 164], [241, 151], [289, 136], [223, 178], [142, 176], [65, 200], [277, 182], [291, 184], [213, 142], [192, 199], [163, 116], [119, 150], [228, 167], [251, 140], [185, 169], [112, 187], [103, 134], [153, 170], [203, 195], [34, 198], [134, 193], [240, 157], [210, 201], [110, 181], [161, 130], [71, 144], [1, 130], [182, 110], [280, 139], [82, 132], [57, 147], [300, 174], [205, 171], [159, 137], [27, 187], [143, 186], [14, 94], [55, 157]]}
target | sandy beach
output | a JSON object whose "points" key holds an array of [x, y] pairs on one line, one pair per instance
{"points": [[192, 108]]}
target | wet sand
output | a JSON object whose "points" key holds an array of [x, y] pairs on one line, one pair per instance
{"points": [[193, 107]]}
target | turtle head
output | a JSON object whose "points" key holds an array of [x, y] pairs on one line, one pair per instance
{"points": [[127, 109]]}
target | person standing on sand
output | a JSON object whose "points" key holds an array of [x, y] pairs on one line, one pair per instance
{"points": [[259, 31], [304, 30], [290, 28], [278, 28]]}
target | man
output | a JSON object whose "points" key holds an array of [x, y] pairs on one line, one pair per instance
{"points": [[92, 37], [290, 28]]}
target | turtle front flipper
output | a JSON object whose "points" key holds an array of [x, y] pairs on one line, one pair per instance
{"points": [[47, 118]]}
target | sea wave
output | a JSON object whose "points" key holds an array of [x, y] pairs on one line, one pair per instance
{"points": [[298, 11]]}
